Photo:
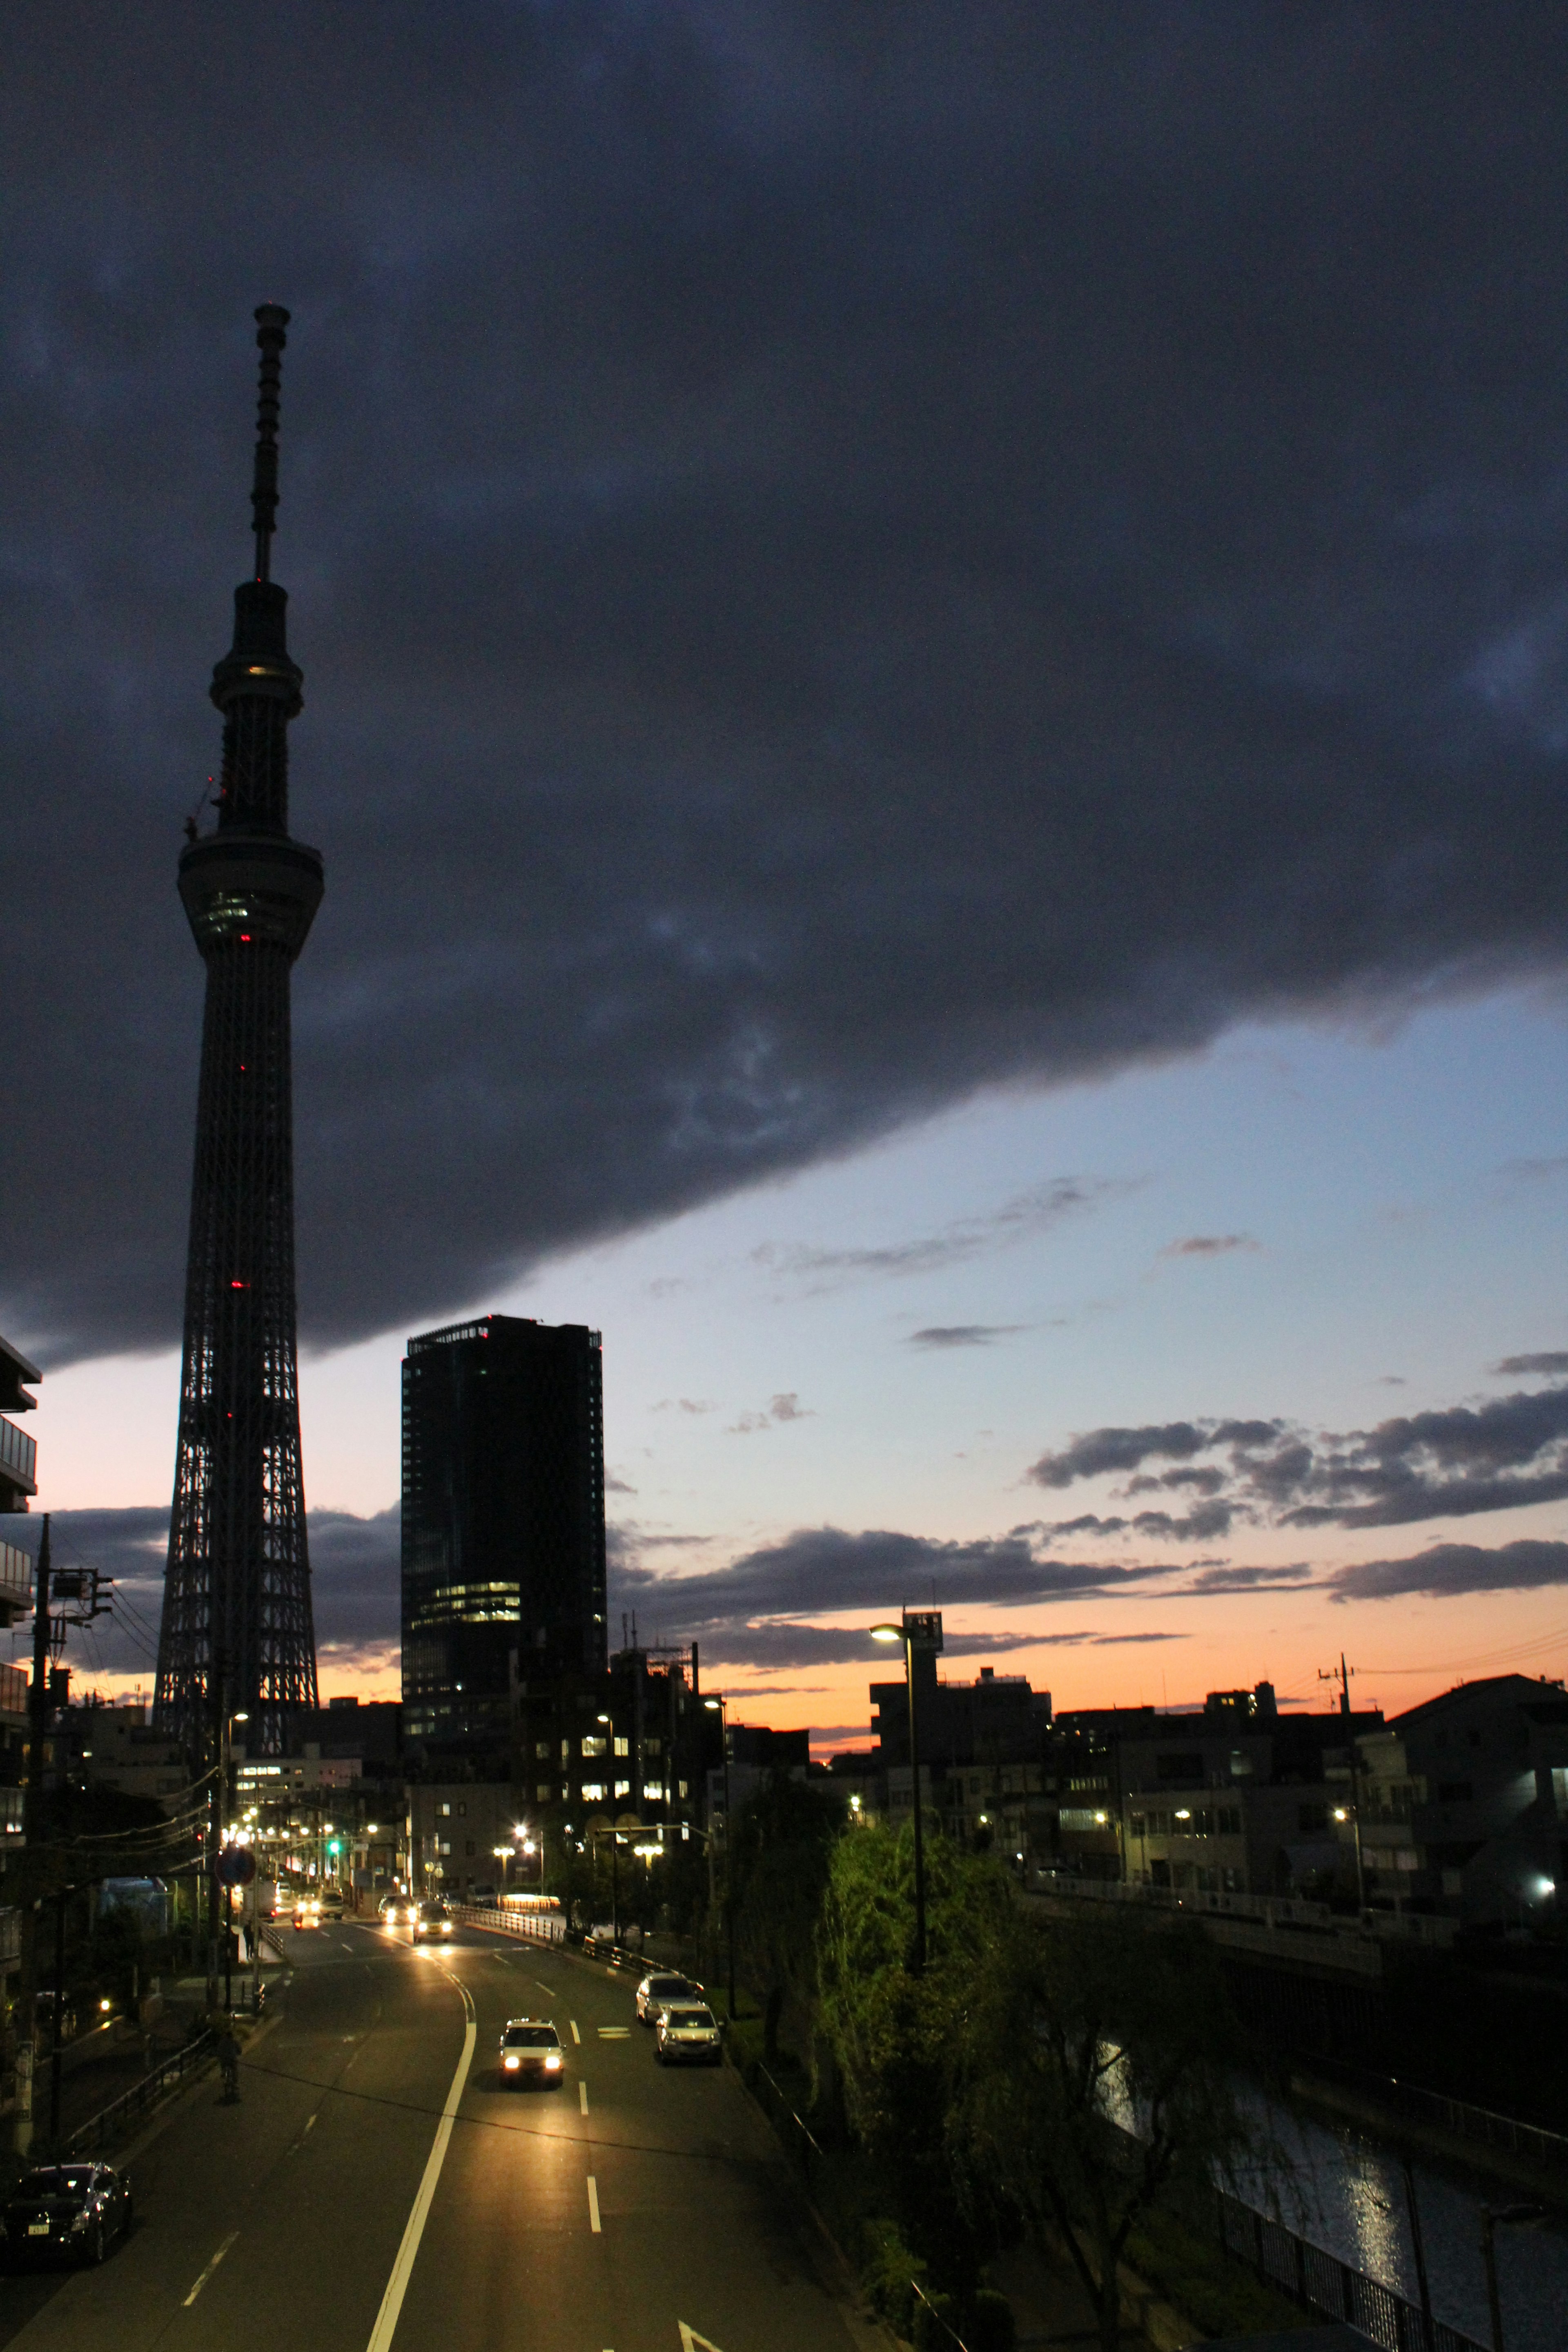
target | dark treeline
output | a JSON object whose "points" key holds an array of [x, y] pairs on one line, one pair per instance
{"points": [[1058, 2080]]}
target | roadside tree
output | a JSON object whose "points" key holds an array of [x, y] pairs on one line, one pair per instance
{"points": [[1092, 2071]]}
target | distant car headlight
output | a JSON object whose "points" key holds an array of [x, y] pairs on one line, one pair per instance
{"points": [[511, 2062], [445, 1927], [552, 2063]]}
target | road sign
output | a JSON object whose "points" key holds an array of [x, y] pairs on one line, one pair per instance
{"points": [[236, 1866]]}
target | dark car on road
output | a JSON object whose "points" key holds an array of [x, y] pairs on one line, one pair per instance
{"points": [[529, 2051], [76, 2209]]}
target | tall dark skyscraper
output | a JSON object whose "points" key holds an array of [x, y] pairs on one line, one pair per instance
{"points": [[504, 1518], [237, 1630]]}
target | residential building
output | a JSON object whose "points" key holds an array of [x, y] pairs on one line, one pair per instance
{"points": [[117, 1747], [503, 1523], [1240, 1800], [1461, 1804], [983, 1747], [757, 1756], [626, 1746], [18, 1452]]}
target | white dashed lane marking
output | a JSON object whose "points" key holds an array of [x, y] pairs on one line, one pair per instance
{"points": [[576, 2035], [582, 2096], [229, 2240], [593, 2206]]}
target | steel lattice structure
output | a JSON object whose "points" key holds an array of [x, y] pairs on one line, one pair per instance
{"points": [[237, 1627]]}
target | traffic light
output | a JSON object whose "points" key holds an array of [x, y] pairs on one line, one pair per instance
{"points": [[334, 1845]]}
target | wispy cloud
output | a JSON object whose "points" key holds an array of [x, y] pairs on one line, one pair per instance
{"points": [[963, 1334], [782, 1410], [1026, 1215], [1209, 1245]]}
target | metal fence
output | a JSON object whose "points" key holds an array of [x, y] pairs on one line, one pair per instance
{"points": [[1320, 2281], [111, 2120]]}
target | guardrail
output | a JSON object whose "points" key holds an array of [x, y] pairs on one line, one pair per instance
{"points": [[1274, 1911], [536, 1927], [1457, 2115], [99, 2129], [1320, 2281], [794, 2133]]}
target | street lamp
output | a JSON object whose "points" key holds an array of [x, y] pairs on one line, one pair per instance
{"points": [[525, 1837], [222, 1777], [719, 1706], [917, 1628]]}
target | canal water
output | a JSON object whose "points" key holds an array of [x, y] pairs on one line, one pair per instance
{"points": [[1346, 2192]]}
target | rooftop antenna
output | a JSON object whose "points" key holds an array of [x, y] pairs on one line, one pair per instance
{"points": [[270, 321]]}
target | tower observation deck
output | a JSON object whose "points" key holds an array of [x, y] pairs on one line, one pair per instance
{"points": [[237, 1631]]}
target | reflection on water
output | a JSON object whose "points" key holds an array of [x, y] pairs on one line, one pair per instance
{"points": [[1347, 2193]]}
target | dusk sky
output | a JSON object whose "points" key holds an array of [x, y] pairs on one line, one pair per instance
{"points": [[936, 699]]}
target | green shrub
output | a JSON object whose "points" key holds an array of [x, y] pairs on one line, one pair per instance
{"points": [[991, 2326], [934, 2324], [890, 2271]]}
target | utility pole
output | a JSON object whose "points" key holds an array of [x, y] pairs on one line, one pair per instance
{"points": [[1343, 1679], [721, 1708], [38, 1729], [60, 1893]]}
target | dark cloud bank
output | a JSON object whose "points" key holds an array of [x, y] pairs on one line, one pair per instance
{"points": [[839, 554], [1458, 1461]]}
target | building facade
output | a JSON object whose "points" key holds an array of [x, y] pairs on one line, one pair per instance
{"points": [[1461, 1805], [503, 1522]]}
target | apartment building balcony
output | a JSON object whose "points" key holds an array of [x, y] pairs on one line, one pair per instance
{"points": [[18, 1467], [15, 1584]]}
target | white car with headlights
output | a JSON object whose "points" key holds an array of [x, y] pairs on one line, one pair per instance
{"points": [[689, 2034], [531, 2051]]}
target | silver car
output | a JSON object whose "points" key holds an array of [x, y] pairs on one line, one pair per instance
{"points": [[688, 2033], [657, 1991]]}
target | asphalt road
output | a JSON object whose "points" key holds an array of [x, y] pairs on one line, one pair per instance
{"points": [[376, 2190]]}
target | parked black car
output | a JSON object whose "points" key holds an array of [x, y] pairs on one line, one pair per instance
{"points": [[76, 2210]]}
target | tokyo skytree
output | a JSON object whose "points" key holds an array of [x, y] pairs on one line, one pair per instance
{"points": [[237, 1632]]}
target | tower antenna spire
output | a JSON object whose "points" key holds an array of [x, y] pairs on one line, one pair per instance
{"points": [[271, 318]]}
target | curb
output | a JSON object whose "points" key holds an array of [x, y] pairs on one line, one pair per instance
{"points": [[851, 2298]]}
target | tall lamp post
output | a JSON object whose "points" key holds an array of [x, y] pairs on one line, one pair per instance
{"points": [[218, 1906], [719, 1706], [917, 1629]]}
